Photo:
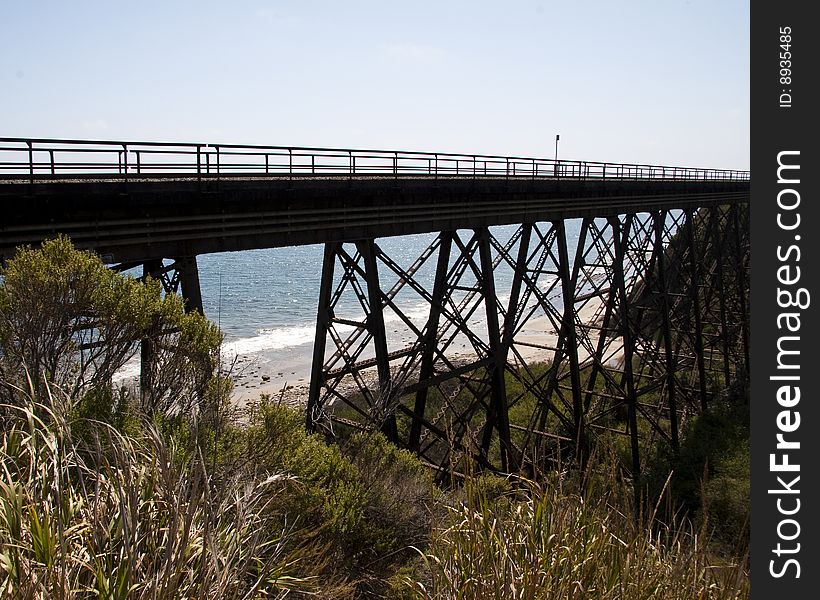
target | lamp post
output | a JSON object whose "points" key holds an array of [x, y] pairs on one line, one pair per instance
{"points": [[557, 137]]}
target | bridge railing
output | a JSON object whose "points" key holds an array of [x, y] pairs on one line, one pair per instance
{"points": [[43, 159]]}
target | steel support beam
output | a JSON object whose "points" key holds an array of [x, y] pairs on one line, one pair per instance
{"points": [[375, 325], [568, 324], [323, 316], [652, 277], [739, 253], [659, 221], [498, 416], [515, 289], [189, 283], [720, 284], [694, 298], [431, 337], [626, 334]]}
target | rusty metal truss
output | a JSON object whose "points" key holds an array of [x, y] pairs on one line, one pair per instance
{"points": [[528, 346]]}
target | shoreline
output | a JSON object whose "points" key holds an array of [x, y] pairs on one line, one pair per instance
{"points": [[285, 374]]}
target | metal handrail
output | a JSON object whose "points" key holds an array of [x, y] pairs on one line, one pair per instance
{"points": [[50, 158]]}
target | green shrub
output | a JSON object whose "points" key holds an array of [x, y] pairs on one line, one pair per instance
{"points": [[726, 499], [369, 500], [710, 473], [72, 323]]}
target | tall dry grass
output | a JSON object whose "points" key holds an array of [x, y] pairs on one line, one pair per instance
{"points": [[548, 543], [120, 517], [116, 515]]}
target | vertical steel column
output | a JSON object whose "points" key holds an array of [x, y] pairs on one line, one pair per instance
{"points": [[659, 219], [515, 293], [626, 334], [717, 250], [189, 283], [515, 288], [597, 367], [323, 317], [375, 324], [499, 413], [431, 337], [741, 284], [568, 323], [694, 298]]}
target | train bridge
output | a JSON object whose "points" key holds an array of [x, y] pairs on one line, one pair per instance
{"points": [[626, 326]]}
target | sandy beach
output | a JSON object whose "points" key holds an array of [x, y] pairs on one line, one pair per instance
{"points": [[286, 373]]}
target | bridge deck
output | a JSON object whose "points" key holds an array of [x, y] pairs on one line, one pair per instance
{"points": [[173, 215]]}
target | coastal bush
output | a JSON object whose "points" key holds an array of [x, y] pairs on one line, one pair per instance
{"points": [[367, 499], [710, 472], [72, 323], [725, 501]]}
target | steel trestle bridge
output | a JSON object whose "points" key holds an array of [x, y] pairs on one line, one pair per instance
{"points": [[624, 323]]}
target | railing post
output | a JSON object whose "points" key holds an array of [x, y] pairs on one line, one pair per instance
{"points": [[51, 158], [396, 164], [313, 163], [267, 167], [125, 160], [139, 165], [31, 161]]}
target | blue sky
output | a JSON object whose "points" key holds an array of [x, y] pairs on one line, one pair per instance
{"points": [[663, 81]]}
